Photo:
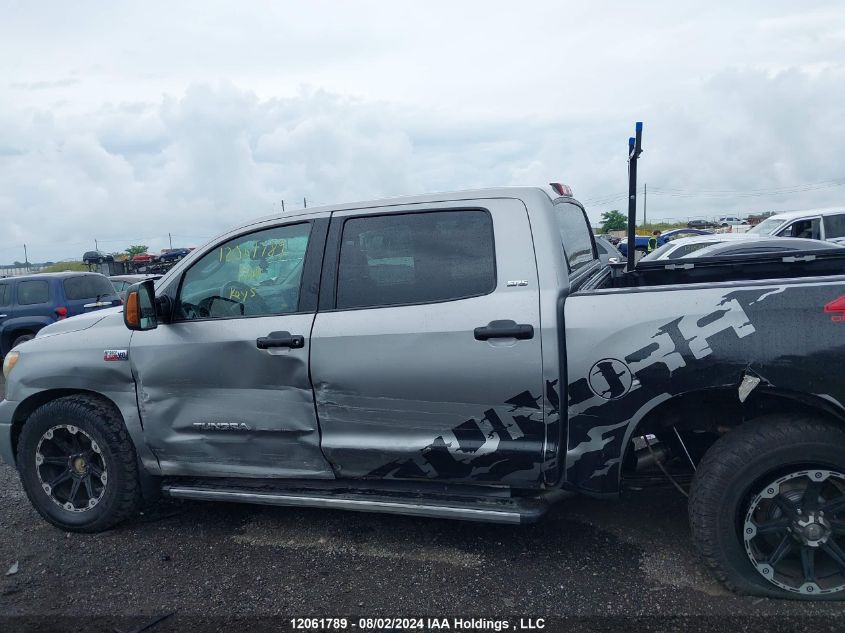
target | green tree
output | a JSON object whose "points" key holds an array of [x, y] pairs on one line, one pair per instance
{"points": [[136, 249], [613, 221]]}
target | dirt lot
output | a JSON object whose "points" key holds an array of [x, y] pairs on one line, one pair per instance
{"points": [[218, 565]]}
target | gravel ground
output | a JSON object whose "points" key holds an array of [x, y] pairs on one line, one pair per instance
{"points": [[216, 564]]}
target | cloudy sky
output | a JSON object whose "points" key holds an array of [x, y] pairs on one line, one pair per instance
{"points": [[124, 122]]}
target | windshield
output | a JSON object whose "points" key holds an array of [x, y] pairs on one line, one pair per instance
{"points": [[766, 227]]}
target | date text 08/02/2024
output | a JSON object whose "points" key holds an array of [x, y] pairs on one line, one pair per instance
{"points": [[418, 623]]}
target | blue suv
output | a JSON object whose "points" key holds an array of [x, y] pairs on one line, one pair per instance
{"points": [[30, 302]]}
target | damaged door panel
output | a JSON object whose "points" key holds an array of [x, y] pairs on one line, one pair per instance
{"points": [[426, 364], [224, 389]]}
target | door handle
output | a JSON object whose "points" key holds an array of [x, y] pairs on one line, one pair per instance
{"points": [[504, 329], [280, 339]]}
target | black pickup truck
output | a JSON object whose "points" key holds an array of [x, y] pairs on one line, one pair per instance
{"points": [[459, 355]]}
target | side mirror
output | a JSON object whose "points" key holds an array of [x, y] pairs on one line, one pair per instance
{"points": [[139, 311]]}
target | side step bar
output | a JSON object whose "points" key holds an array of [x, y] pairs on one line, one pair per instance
{"points": [[513, 511]]}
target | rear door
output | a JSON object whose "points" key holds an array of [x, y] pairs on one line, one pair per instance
{"points": [[426, 357]]}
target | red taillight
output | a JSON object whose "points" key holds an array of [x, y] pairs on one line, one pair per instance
{"points": [[561, 190], [61, 313], [836, 309]]}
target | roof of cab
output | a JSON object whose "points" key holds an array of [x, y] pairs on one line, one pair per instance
{"points": [[446, 196], [791, 215]]}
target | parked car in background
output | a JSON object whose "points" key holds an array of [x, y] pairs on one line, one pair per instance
{"points": [[675, 249], [676, 234], [701, 224], [122, 282], [31, 302], [143, 257], [608, 253], [173, 254], [762, 245], [640, 244], [815, 224], [96, 257], [730, 220]]}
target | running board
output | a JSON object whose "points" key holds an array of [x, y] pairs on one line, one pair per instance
{"points": [[513, 510]]}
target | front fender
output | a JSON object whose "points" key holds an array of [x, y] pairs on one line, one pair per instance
{"points": [[74, 362]]}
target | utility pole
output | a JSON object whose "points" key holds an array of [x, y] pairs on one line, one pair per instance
{"points": [[304, 203], [170, 239], [96, 246], [283, 206], [25, 257], [645, 202]]}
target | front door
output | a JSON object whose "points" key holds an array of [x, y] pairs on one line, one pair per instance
{"points": [[224, 389], [425, 354]]}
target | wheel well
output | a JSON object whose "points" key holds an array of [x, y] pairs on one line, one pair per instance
{"points": [[10, 336], [706, 415], [28, 406]]}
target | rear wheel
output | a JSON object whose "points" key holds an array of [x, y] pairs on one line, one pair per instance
{"points": [[78, 465], [767, 508]]}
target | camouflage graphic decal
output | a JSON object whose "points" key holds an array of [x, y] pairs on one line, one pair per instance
{"points": [[687, 354], [491, 448]]}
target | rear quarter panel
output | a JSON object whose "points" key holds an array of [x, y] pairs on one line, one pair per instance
{"points": [[628, 351]]}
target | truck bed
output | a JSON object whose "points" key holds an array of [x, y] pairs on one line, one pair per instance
{"points": [[710, 270]]}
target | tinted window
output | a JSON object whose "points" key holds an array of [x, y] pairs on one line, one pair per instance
{"points": [[31, 292], [252, 275], [5, 294], [416, 258], [575, 235], [803, 228], [87, 287], [834, 226]]}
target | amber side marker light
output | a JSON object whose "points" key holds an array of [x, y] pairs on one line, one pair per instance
{"points": [[9, 362], [132, 310]]}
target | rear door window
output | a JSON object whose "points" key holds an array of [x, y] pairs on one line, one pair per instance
{"points": [[575, 235], [87, 287], [834, 226], [32, 292], [413, 258], [5, 294]]}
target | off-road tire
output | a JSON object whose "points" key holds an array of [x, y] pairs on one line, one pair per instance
{"points": [[733, 468], [23, 338], [101, 421]]}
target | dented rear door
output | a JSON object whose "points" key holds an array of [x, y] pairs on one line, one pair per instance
{"points": [[425, 354]]}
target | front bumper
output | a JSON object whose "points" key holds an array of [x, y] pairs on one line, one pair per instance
{"points": [[7, 410]]}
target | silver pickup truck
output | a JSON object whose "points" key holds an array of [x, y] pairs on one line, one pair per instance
{"points": [[459, 355]]}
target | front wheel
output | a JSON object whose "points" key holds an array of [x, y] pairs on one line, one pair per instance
{"points": [[767, 508], [78, 465]]}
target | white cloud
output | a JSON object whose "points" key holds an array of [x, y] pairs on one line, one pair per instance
{"points": [[122, 126]]}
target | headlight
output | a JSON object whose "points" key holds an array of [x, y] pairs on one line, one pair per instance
{"points": [[9, 362]]}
